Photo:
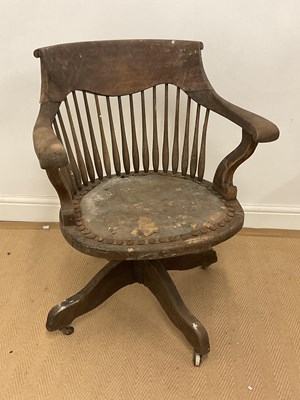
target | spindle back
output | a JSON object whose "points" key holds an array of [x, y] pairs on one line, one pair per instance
{"points": [[106, 135], [124, 107]]}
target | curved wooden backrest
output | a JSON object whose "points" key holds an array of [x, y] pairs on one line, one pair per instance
{"points": [[120, 67]]}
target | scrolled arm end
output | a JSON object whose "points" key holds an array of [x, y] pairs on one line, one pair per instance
{"points": [[49, 149]]}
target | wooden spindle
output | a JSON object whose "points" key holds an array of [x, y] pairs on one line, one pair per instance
{"points": [[115, 151], [74, 166], [86, 152], [97, 160], [66, 178], [57, 131], [194, 154], [185, 150], [106, 158], [165, 151], [68, 167], [144, 133], [80, 161], [155, 150], [72, 179], [125, 152], [175, 151], [135, 151], [201, 164]]}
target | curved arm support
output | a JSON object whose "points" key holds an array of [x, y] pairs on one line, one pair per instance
{"points": [[223, 179], [261, 129], [48, 148], [67, 209]]}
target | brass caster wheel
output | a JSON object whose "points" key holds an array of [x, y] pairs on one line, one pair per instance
{"points": [[197, 359], [68, 330]]}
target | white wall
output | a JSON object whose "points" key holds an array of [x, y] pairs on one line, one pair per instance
{"points": [[251, 55]]}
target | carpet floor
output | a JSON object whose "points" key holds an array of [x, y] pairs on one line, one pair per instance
{"points": [[249, 301]]}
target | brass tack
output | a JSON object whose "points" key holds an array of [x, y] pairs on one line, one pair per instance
{"points": [[141, 241], [129, 241], [228, 219], [152, 241], [222, 224], [82, 228], [91, 235], [203, 230], [185, 236], [213, 227], [86, 231], [230, 214], [79, 222], [109, 241], [173, 238], [120, 241], [231, 209], [162, 240]]}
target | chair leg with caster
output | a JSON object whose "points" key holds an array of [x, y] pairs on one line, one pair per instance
{"points": [[111, 278], [159, 282]]}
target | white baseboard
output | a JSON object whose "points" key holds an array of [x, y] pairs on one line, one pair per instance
{"points": [[272, 217], [46, 209]]}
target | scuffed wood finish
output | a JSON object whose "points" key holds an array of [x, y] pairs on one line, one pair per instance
{"points": [[67, 211], [159, 282], [185, 151], [201, 164], [96, 155], [155, 150], [115, 151], [103, 140], [117, 274], [175, 151], [144, 221], [165, 149], [135, 150], [80, 161], [145, 151], [119, 67], [48, 148], [114, 276], [125, 152], [261, 129], [223, 180]]}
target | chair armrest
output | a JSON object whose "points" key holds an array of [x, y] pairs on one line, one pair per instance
{"points": [[48, 148], [261, 129]]}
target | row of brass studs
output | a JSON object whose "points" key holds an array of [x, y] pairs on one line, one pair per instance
{"points": [[197, 232]]}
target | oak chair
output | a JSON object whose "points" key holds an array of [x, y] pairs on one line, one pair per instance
{"points": [[121, 133]]}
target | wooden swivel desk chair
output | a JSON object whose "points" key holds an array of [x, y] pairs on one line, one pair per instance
{"points": [[131, 188]]}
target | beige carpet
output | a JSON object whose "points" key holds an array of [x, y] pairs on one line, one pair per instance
{"points": [[127, 349]]}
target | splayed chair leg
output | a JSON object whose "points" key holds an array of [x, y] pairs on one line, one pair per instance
{"points": [[114, 276], [158, 281]]}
